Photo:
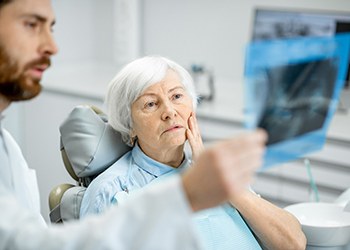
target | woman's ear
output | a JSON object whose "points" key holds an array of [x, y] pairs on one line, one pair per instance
{"points": [[132, 133], [132, 137]]}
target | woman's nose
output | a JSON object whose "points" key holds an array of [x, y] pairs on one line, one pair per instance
{"points": [[168, 111]]}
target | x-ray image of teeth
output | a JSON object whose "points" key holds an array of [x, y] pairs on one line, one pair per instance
{"points": [[292, 87], [298, 98]]}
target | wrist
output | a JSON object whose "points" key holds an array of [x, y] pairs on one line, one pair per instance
{"points": [[190, 192], [242, 199]]}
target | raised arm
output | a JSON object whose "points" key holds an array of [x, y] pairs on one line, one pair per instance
{"points": [[224, 170], [194, 137]]}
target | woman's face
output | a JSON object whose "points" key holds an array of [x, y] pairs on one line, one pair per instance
{"points": [[160, 115]]}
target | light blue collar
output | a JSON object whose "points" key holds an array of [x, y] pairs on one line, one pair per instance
{"points": [[154, 167]]}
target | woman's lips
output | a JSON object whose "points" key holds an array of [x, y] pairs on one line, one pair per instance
{"points": [[173, 128]]}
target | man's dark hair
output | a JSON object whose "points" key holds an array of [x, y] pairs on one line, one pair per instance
{"points": [[4, 2]]}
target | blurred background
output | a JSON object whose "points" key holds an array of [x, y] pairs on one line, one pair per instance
{"points": [[208, 37]]}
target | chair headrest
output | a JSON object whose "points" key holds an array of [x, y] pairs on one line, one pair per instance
{"points": [[89, 143]]}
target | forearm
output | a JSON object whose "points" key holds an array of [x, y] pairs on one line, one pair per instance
{"points": [[158, 210], [274, 227]]}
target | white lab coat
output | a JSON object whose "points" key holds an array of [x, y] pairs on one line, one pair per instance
{"points": [[157, 218]]}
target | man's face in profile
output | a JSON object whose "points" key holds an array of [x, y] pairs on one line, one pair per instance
{"points": [[26, 45], [15, 83]]}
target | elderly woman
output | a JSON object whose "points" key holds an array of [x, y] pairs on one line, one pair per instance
{"points": [[151, 102]]}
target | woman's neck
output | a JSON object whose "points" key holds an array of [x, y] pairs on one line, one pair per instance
{"points": [[172, 157]]}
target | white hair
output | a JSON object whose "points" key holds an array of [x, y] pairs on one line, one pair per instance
{"points": [[130, 83]]}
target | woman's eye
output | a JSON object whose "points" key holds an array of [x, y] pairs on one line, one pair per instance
{"points": [[149, 105], [177, 96]]}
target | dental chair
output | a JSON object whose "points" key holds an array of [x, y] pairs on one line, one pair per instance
{"points": [[89, 145]]}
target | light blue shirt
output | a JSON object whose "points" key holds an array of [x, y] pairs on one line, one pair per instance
{"points": [[132, 171], [220, 228]]}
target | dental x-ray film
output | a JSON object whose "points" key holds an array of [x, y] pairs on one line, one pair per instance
{"points": [[291, 90]]}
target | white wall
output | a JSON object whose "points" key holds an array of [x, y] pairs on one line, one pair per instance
{"points": [[213, 32], [83, 30], [99, 31], [14, 122]]}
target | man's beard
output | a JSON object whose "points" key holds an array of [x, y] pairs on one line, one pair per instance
{"points": [[14, 84]]}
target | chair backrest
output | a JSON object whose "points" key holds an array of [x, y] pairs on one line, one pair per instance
{"points": [[89, 145]]}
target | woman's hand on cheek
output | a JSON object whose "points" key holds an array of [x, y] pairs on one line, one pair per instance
{"points": [[194, 136]]}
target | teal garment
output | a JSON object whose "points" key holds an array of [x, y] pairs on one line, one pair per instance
{"points": [[222, 227]]}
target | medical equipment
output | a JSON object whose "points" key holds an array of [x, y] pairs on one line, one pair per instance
{"points": [[344, 200], [278, 23], [313, 186], [89, 145], [326, 225], [203, 79]]}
